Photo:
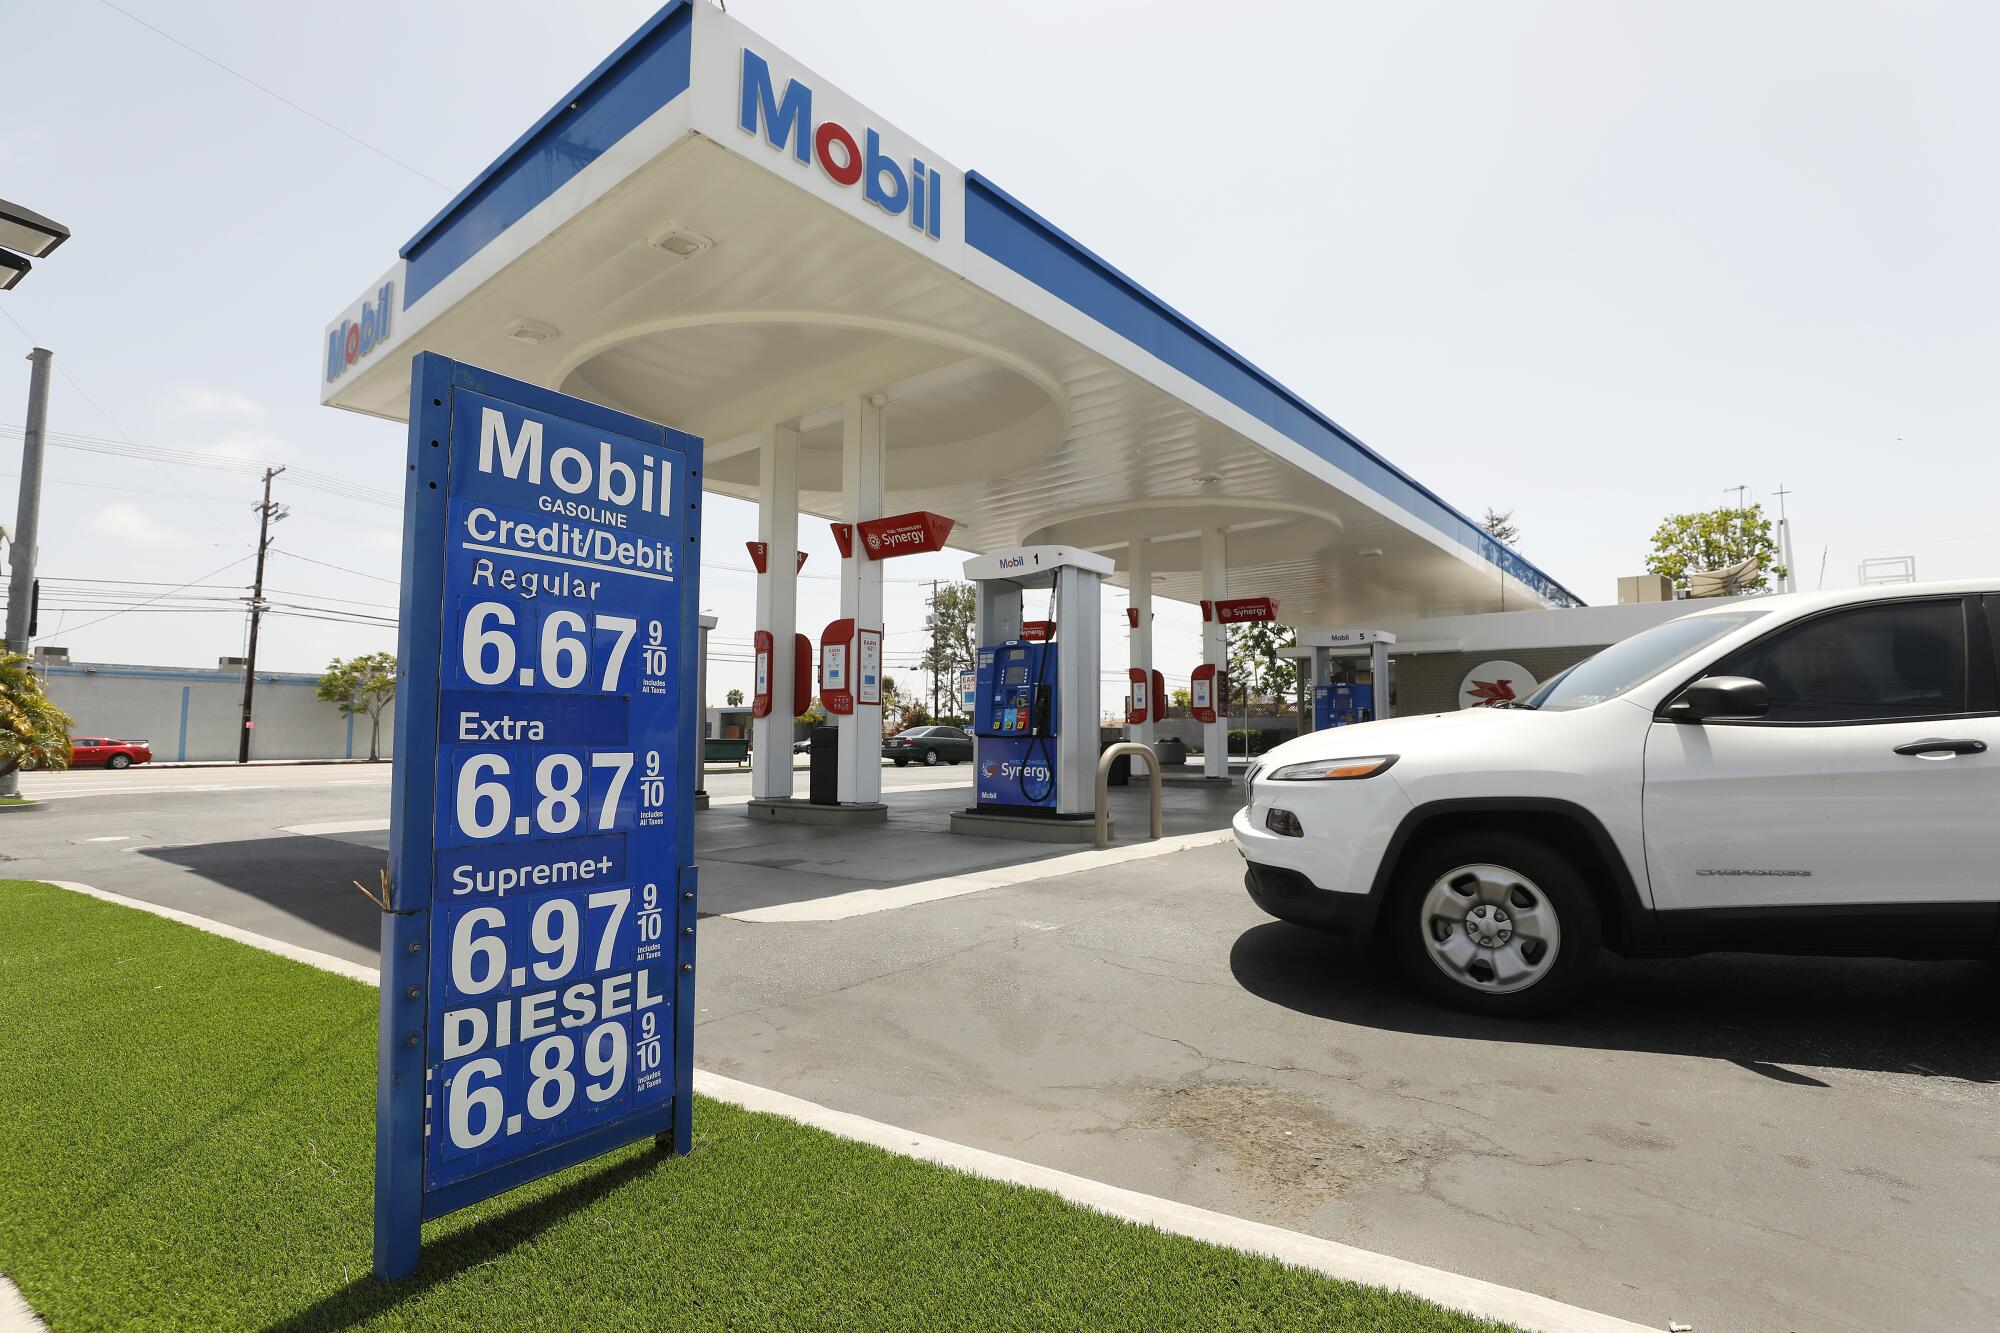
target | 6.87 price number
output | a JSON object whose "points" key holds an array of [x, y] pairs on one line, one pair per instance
{"points": [[566, 792]]}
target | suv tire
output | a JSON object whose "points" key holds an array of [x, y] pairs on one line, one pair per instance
{"points": [[1495, 923]]}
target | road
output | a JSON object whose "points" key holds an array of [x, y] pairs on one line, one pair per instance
{"points": [[1736, 1143]]}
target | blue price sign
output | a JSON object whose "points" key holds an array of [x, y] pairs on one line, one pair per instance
{"points": [[537, 968]]}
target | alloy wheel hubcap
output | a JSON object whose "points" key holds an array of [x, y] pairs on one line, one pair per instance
{"points": [[1490, 928]]}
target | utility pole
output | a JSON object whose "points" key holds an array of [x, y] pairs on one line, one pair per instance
{"points": [[934, 650], [267, 514], [21, 587], [1789, 583], [1739, 493]]}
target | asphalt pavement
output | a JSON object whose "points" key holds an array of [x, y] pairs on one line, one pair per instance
{"points": [[1735, 1143]]}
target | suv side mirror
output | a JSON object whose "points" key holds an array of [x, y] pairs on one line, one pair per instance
{"points": [[1719, 697]]}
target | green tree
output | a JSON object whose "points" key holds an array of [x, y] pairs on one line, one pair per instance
{"points": [[1687, 543], [1180, 698], [364, 684], [1500, 526], [734, 698], [34, 733], [1255, 666], [814, 716], [951, 623]]}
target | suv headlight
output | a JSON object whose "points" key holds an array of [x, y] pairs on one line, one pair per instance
{"points": [[1332, 770]]}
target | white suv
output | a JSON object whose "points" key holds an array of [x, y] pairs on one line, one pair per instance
{"points": [[1812, 773]]}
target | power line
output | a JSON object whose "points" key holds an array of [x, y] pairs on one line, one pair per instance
{"points": [[158, 454], [149, 601], [277, 96], [294, 555], [84, 394]]}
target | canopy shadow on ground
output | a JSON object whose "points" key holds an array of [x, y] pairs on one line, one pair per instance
{"points": [[309, 878], [747, 863], [744, 863], [1762, 1012]]}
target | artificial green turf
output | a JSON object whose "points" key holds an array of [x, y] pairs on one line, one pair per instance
{"points": [[187, 1141]]}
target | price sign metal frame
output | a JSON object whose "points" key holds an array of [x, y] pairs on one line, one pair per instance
{"points": [[536, 813]]}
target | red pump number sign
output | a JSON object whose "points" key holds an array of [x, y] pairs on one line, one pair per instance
{"points": [[1208, 693]]}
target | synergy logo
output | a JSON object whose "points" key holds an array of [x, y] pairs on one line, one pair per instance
{"points": [[789, 120], [356, 338], [989, 769]]}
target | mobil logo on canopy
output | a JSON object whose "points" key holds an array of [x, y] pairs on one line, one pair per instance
{"points": [[786, 120]]}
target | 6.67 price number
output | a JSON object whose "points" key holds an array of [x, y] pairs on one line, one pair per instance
{"points": [[562, 649]]}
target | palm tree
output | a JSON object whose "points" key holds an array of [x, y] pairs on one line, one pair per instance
{"points": [[34, 733]]}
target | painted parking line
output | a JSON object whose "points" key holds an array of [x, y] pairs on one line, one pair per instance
{"points": [[1487, 1300], [862, 902], [202, 789], [331, 827]]}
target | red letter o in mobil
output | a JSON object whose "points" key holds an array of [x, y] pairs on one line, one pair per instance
{"points": [[353, 348], [824, 138]]}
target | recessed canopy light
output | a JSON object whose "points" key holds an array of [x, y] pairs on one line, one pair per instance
{"points": [[1206, 480], [680, 242], [532, 331], [1371, 552]]}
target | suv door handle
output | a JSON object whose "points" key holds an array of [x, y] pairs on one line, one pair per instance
{"points": [[1938, 745]]}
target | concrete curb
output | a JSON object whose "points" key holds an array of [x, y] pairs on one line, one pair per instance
{"points": [[16, 807], [1486, 1300]]}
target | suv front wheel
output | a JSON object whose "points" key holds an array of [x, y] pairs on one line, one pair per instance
{"points": [[1495, 923]]}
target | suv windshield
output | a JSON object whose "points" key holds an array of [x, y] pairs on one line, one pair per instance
{"points": [[1639, 658]]}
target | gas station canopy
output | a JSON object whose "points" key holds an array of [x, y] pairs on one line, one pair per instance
{"points": [[708, 234]]}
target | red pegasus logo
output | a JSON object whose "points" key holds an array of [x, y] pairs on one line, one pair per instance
{"points": [[1489, 692]]}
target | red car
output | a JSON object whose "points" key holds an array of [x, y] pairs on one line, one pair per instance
{"points": [[102, 752]]}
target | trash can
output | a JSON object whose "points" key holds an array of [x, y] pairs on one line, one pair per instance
{"points": [[823, 767], [1121, 770]]}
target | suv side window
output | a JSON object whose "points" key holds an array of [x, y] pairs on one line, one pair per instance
{"points": [[1874, 663]]}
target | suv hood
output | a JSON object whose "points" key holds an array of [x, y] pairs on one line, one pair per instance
{"points": [[1387, 737]]}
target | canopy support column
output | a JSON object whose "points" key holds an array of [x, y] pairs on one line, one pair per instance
{"points": [[1139, 565], [1215, 652], [861, 467], [777, 607]]}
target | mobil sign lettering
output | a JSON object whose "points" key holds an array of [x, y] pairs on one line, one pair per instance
{"points": [[904, 534], [1245, 610], [786, 122]]}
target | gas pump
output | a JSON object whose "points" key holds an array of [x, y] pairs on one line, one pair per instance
{"points": [[1015, 723], [1338, 656], [1035, 685]]}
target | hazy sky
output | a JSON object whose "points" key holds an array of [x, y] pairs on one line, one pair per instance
{"points": [[1592, 263]]}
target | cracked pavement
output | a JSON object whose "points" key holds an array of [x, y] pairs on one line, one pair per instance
{"points": [[1730, 1142]]}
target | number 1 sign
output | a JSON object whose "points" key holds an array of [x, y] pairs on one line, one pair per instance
{"points": [[538, 963]]}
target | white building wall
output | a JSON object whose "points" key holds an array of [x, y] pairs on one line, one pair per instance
{"points": [[192, 714]]}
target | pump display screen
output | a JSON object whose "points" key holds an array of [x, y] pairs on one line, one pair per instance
{"points": [[1015, 675]]}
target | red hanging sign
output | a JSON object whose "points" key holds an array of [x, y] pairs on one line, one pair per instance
{"points": [[904, 534], [843, 537], [836, 645], [1132, 618], [1038, 631], [760, 556], [1246, 610], [1207, 612]]}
